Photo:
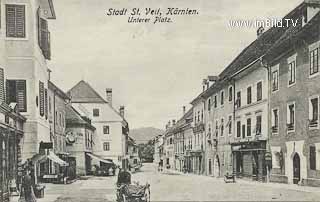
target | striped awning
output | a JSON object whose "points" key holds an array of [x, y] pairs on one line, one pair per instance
{"points": [[99, 158]]}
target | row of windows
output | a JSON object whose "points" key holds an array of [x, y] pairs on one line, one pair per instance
{"points": [[292, 72], [238, 101], [245, 130], [313, 121], [238, 96]]}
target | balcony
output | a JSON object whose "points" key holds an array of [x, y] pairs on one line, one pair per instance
{"points": [[313, 123], [290, 127], [275, 129], [199, 127]]}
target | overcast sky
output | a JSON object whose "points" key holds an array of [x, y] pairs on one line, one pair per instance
{"points": [[153, 69]]}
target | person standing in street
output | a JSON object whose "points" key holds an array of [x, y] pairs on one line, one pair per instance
{"points": [[27, 193]]}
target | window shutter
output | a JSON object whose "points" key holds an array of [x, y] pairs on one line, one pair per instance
{"points": [[15, 20], [2, 93], [10, 20], [21, 95], [20, 21], [46, 103], [41, 97]]}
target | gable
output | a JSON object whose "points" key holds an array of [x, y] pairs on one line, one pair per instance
{"points": [[84, 93]]}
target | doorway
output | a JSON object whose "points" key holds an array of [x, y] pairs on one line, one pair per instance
{"points": [[296, 169], [216, 169]]}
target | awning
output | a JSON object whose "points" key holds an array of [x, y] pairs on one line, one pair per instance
{"points": [[38, 158], [56, 159], [93, 156]]}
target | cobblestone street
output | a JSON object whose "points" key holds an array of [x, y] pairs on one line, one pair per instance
{"points": [[179, 187]]}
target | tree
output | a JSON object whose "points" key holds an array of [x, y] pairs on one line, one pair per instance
{"points": [[146, 151]]}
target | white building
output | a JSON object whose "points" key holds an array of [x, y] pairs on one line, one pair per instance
{"points": [[110, 141]]}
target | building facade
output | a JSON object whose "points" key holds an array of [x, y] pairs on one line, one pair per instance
{"points": [[112, 129], [79, 137], [294, 101]]}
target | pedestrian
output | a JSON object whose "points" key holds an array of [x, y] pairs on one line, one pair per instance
{"points": [[27, 192]]}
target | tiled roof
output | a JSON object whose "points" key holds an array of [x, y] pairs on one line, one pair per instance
{"points": [[82, 92], [59, 92], [73, 117], [255, 50], [261, 45]]}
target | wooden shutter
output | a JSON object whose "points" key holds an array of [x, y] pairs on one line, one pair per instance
{"points": [[21, 95], [41, 97], [46, 103], [2, 93], [15, 21]]}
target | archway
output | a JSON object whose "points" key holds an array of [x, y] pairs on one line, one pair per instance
{"points": [[296, 169], [216, 165]]}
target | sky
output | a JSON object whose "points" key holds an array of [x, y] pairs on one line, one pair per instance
{"points": [[153, 69]]}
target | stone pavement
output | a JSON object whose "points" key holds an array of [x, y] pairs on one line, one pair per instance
{"points": [[174, 186]]}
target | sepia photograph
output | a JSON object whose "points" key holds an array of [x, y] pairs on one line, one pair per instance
{"points": [[159, 100]]}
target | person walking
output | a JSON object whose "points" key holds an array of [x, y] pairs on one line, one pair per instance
{"points": [[27, 193]]}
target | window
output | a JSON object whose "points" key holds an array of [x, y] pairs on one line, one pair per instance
{"points": [[215, 101], [314, 61], [15, 20], [222, 127], [106, 146], [46, 103], [49, 104], [275, 120], [106, 130], [259, 91], [95, 112], [313, 158], [291, 117], [198, 116], [249, 127], [258, 126], [209, 104], [313, 112], [230, 94], [41, 97], [292, 73], [60, 119], [275, 80], [217, 129], [17, 92], [238, 128], [2, 92], [201, 115], [238, 102], [222, 97], [249, 95], [230, 125]]}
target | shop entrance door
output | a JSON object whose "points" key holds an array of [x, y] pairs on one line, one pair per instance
{"points": [[296, 169]]}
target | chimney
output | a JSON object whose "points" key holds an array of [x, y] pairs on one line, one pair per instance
{"points": [[109, 95], [173, 122], [49, 74], [121, 111], [183, 110]]}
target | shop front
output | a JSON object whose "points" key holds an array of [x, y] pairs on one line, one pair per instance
{"points": [[249, 160]]}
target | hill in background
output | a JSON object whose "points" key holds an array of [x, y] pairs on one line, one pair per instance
{"points": [[143, 135]]}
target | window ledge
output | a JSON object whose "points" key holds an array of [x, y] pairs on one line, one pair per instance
{"points": [[314, 75], [291, 85], [16, 39]]}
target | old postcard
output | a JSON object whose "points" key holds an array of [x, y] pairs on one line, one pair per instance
{"points": [[159, 100]]}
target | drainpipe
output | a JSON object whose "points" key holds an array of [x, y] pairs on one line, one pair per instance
{"points": [[267, 67]]}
